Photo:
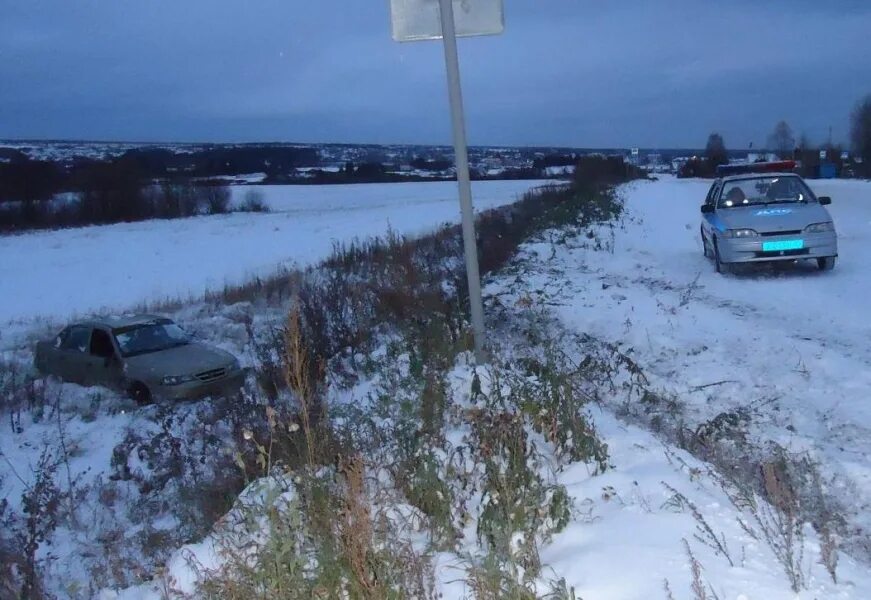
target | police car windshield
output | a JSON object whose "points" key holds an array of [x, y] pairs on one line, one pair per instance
{"points": [[753, 191]]}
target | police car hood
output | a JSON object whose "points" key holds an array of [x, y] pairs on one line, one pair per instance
{"points": [[774, 217]]}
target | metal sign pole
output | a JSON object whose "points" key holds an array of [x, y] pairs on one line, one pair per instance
{"points": [[458, 121]]}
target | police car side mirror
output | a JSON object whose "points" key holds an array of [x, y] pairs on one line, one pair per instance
{"points": [[824, 200], [709, 208]]}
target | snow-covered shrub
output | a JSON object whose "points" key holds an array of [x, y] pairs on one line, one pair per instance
{"points": [[328, 538], [217, 199], [253, 202], [43, 506]]}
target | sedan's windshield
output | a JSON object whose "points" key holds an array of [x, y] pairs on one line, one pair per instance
{"points": [[150, 337], [764, 190]]}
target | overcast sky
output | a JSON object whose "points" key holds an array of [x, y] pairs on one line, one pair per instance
{"points": [[565, 72]]}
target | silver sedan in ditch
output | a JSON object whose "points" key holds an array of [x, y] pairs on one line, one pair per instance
{"points": [[146, 356], [771, 217]]}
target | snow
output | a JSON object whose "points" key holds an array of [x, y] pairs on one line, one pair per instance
{"points": [[790, 345], [241, 179], [629, 539], [559, 171], [57, 274], [180, 575], [628, 536]]}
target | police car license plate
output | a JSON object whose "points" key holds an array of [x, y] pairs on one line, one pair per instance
{"points": [[782, 245]]}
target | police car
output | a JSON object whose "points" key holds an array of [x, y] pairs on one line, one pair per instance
{"points": [[763, 212]]}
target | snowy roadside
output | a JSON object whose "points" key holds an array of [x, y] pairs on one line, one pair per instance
{"points": [[657, 522], [774, 359], [638, 530]]}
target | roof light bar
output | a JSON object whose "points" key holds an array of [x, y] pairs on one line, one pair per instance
{"points": [[766, 167]]}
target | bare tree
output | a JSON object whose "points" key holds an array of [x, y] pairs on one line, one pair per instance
{"points": [[782, 140], [860, 132]]}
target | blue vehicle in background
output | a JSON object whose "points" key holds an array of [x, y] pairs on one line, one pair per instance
{"points": [[763, 213]]}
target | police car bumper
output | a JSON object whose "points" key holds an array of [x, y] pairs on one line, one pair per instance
{"points": [[769, 248]]}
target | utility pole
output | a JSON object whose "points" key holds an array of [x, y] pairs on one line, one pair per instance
{"points": [[416, 20], [461, 157]]}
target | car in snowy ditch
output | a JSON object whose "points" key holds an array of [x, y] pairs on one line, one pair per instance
{"points": [[761, 216], [149, 357]]}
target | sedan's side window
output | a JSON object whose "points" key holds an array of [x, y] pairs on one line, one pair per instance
{"points": [[712, 193], [101, 344], [77, 338]]}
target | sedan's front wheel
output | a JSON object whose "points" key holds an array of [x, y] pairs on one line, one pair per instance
{"points": [[826, 264], [139, 393], [721, 266], [705, 245]]}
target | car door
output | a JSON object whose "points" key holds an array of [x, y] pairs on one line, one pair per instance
{"points": [[73, 355], [102, 366], [711, 200]]}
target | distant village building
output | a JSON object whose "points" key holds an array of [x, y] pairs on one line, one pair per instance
{"points": [[753, 157]]}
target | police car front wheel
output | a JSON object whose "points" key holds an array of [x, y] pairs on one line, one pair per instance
{"points": [[721, 266], [705, 245], [826, 264]]}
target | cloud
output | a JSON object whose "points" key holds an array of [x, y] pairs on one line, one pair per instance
{"points": [[564, 73]]}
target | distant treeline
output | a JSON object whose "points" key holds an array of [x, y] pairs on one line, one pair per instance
{"points": [[23, 179], [100, 192], [149, 183], [813, 160]]}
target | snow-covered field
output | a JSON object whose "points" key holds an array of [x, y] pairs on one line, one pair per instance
{"points": [[56, 274]]}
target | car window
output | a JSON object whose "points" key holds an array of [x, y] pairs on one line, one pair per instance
{"points": [[150, 337], [754, 191], [76, 338], [101, 344], [712, 193]]}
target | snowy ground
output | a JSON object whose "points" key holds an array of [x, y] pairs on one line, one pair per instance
{"points": [[789, 346], [783, 341], [632, 528], [56, 274], [629, 537]]}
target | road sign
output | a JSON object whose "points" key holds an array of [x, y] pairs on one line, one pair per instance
{"points": [[416, 20], [823, 154]]}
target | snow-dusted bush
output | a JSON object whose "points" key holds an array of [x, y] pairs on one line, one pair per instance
{"points": [[253, 202]]}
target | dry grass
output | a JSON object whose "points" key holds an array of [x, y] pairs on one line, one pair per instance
{"points": [[697, 585], [297, 374], [355, 527]]}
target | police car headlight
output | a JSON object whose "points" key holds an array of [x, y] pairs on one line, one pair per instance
{"points": [[820, 227], [740, 233]]}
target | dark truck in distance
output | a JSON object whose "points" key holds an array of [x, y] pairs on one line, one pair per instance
{"points": [[148, 357]]}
